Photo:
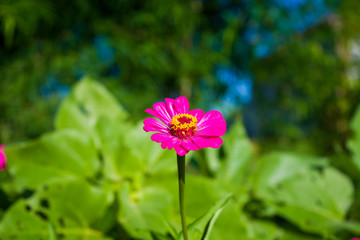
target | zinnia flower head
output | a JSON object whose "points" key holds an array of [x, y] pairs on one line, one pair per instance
{"points": [[2, 158], [182, 129]]}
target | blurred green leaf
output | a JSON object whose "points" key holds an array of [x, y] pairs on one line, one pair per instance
{"points": [[201, 228], [231, 224], [297, 191], [238, 154], [354, 142], [129, 151], [144, 210], [63, 210], [57, 156], [87, 103], [315, 201], [267, 230], [278, 166]]}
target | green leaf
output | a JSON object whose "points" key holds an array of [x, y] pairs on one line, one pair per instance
{"points": [[296, 189], [313, 201], [354, 142], [353, 227], [232, 168], [143, 211], [231, 224], [128, 151], [63, 210], [201, 228], [200, 194], [267, 230], [279, 166], [57, 156], [87, 103]]}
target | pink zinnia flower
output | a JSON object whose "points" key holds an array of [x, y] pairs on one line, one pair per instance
{"points": [[182, 129], [2, 158]]}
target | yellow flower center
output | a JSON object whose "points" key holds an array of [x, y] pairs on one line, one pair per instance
{"points": [[183, 126]]}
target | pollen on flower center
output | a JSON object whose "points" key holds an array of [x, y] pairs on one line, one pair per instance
{"points": [[183, 126]]}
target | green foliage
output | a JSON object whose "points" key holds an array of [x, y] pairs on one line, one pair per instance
{"points": [[202, 227], [99, 176]]}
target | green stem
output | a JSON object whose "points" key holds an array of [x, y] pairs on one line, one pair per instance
{"points": [[181, 177]]}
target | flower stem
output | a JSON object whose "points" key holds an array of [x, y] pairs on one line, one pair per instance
{"points": [[181, 177]]}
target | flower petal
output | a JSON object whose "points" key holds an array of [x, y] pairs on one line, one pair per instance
{"points": [[198, 113], [181, 151], [171, 143], [161, 137], [153, 125], [205, 142], [215, 127], [152, 112], [210, 115], [181, 105], [189, 145], [2, 158], [161, 110], [211, 124], [170, 106]]}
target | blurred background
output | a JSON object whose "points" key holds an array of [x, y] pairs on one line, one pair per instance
{"points": [[287, 68], [284, 73]]}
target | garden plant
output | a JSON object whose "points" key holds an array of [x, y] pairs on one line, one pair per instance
{"points": [[99, 176]]}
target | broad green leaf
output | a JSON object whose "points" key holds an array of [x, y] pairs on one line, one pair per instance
{"points": [[267, 230], [238, 154], [150, 152], [201, 228], [79, 197], [119, 161], [128, 151], [200, 194], [295, 188], [314, 201], [57, 156], [143, 211], [353, 227], [87, 102], [212, 159], [231, 224], [354, 143], [279, 166], [263, 230], [63, 210]]}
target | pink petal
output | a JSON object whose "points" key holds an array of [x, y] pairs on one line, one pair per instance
{"points": [[2, 158], [210, 116], [153, 125], [170, 106], [159, 113], [216, 127], [161, 137], [205, 142], [152, 112], [171, 143], [198, 113], [211, 124], [161, 110], [189, 145], [181, 105], [180, 150]]}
